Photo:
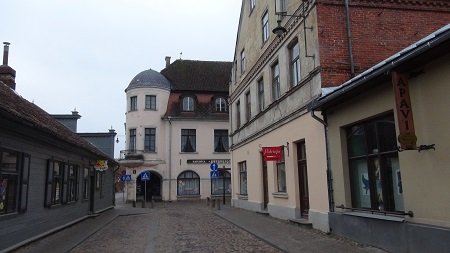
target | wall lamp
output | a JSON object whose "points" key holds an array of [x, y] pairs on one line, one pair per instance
{"points": [[280, 10]]}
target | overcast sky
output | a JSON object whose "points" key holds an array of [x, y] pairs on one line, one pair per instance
{"points": [[83, 53]]}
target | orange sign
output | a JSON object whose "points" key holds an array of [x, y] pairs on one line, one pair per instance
{"points": [[271, 153], [405, 121]]}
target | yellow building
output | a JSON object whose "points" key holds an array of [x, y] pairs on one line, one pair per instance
{"points": [[388, 145]]}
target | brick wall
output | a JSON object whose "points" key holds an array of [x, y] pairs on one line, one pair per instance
{"points": [[379, 29]]}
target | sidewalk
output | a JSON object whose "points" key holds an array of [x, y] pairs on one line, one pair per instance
{"points": [[289, 237]]}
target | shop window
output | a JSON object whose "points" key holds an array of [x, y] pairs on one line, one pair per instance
{"points": [[374, 167], [281, 174], [243, 178], [188, 184]]}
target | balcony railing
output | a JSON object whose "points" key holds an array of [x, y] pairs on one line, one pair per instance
{"points": [[131, 155]]}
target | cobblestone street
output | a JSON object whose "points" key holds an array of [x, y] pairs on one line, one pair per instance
{"points": [[173, 227], [188, 226]]}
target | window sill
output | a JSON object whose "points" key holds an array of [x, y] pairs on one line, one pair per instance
{"points": [[188, 196], [150, 152], [281, 195], [148, 109], [243, 197], [375, 216], [195, 152], [226, 152]]}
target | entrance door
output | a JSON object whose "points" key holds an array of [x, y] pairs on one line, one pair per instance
{"points": [[153, 187], [303, 179], [265, 184]]}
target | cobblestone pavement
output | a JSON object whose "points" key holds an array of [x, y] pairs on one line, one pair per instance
{"points": [[173, 227]]}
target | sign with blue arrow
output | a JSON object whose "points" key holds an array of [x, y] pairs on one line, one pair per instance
{"points": [[214, 166]]}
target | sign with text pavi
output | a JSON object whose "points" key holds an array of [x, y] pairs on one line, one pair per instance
{"points": [[272, 153]]}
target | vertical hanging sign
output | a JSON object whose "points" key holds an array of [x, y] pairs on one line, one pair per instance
{"points": [[407, 137]]}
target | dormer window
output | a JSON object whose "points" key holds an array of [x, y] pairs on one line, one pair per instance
{"points": [[221, 105], [188, 104]]}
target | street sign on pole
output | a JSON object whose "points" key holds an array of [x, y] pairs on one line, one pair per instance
{"points": [[214, 173], [214, 166], [145, 176]]}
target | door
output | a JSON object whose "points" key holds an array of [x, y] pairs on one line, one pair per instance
{"points": [[265, 183], [303, 179]]}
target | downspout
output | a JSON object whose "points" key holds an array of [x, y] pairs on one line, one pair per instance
{"points": [[349, 38], [170, 158], [329, 175]]}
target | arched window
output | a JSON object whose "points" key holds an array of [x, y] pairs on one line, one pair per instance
{"points": [[221, 105], [188, 184], [218, 184], [188, 104]]}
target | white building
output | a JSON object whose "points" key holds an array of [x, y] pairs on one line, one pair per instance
{"points": [[176, 126]]}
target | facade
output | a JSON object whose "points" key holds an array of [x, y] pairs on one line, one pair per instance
{"points": [[48, 175], [176, 126], [388, 147], [321, 44]]}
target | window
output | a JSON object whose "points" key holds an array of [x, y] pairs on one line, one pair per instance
{"points": [[150, 102], [242, 61], [132, 144], [375, 177], [238, 114], [294, 54], [188, 140], [220, 140], [281, 174], [85, 183], [133, 103], [221, 183], [150, 139], [261, 94], [275, 82], [252, 5], [243, 178], [188, 104], [221, 105], [248, 106], [57, 181], [72, 184], [13, 181], [188, 183], [265, 27]]}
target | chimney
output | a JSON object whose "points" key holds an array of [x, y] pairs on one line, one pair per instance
{"points": [[167, 61], [7, 74]]}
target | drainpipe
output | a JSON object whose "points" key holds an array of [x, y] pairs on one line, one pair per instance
{"points": [[170, 158], [329, 175], [349, 38]]}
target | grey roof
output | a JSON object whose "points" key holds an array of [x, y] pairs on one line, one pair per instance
{"points": [[149, 79]]}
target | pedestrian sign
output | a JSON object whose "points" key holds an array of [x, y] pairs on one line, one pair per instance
{"points": [[145, 176], [126, 177], [214, 166], [214, 173]]}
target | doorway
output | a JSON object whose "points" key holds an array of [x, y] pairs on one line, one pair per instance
{"points": [[153, 187], [303, 179], [265, 184]]}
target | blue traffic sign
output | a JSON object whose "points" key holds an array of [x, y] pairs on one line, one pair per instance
{"points": [[145, 176], [214, 173], [126, 177], [214, 166]]}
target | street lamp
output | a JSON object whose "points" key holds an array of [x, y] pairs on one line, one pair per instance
{"points": [[280, 10]]}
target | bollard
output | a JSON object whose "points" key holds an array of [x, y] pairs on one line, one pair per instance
{"points": [[207, 201], [218, 204], [213, 203]]}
